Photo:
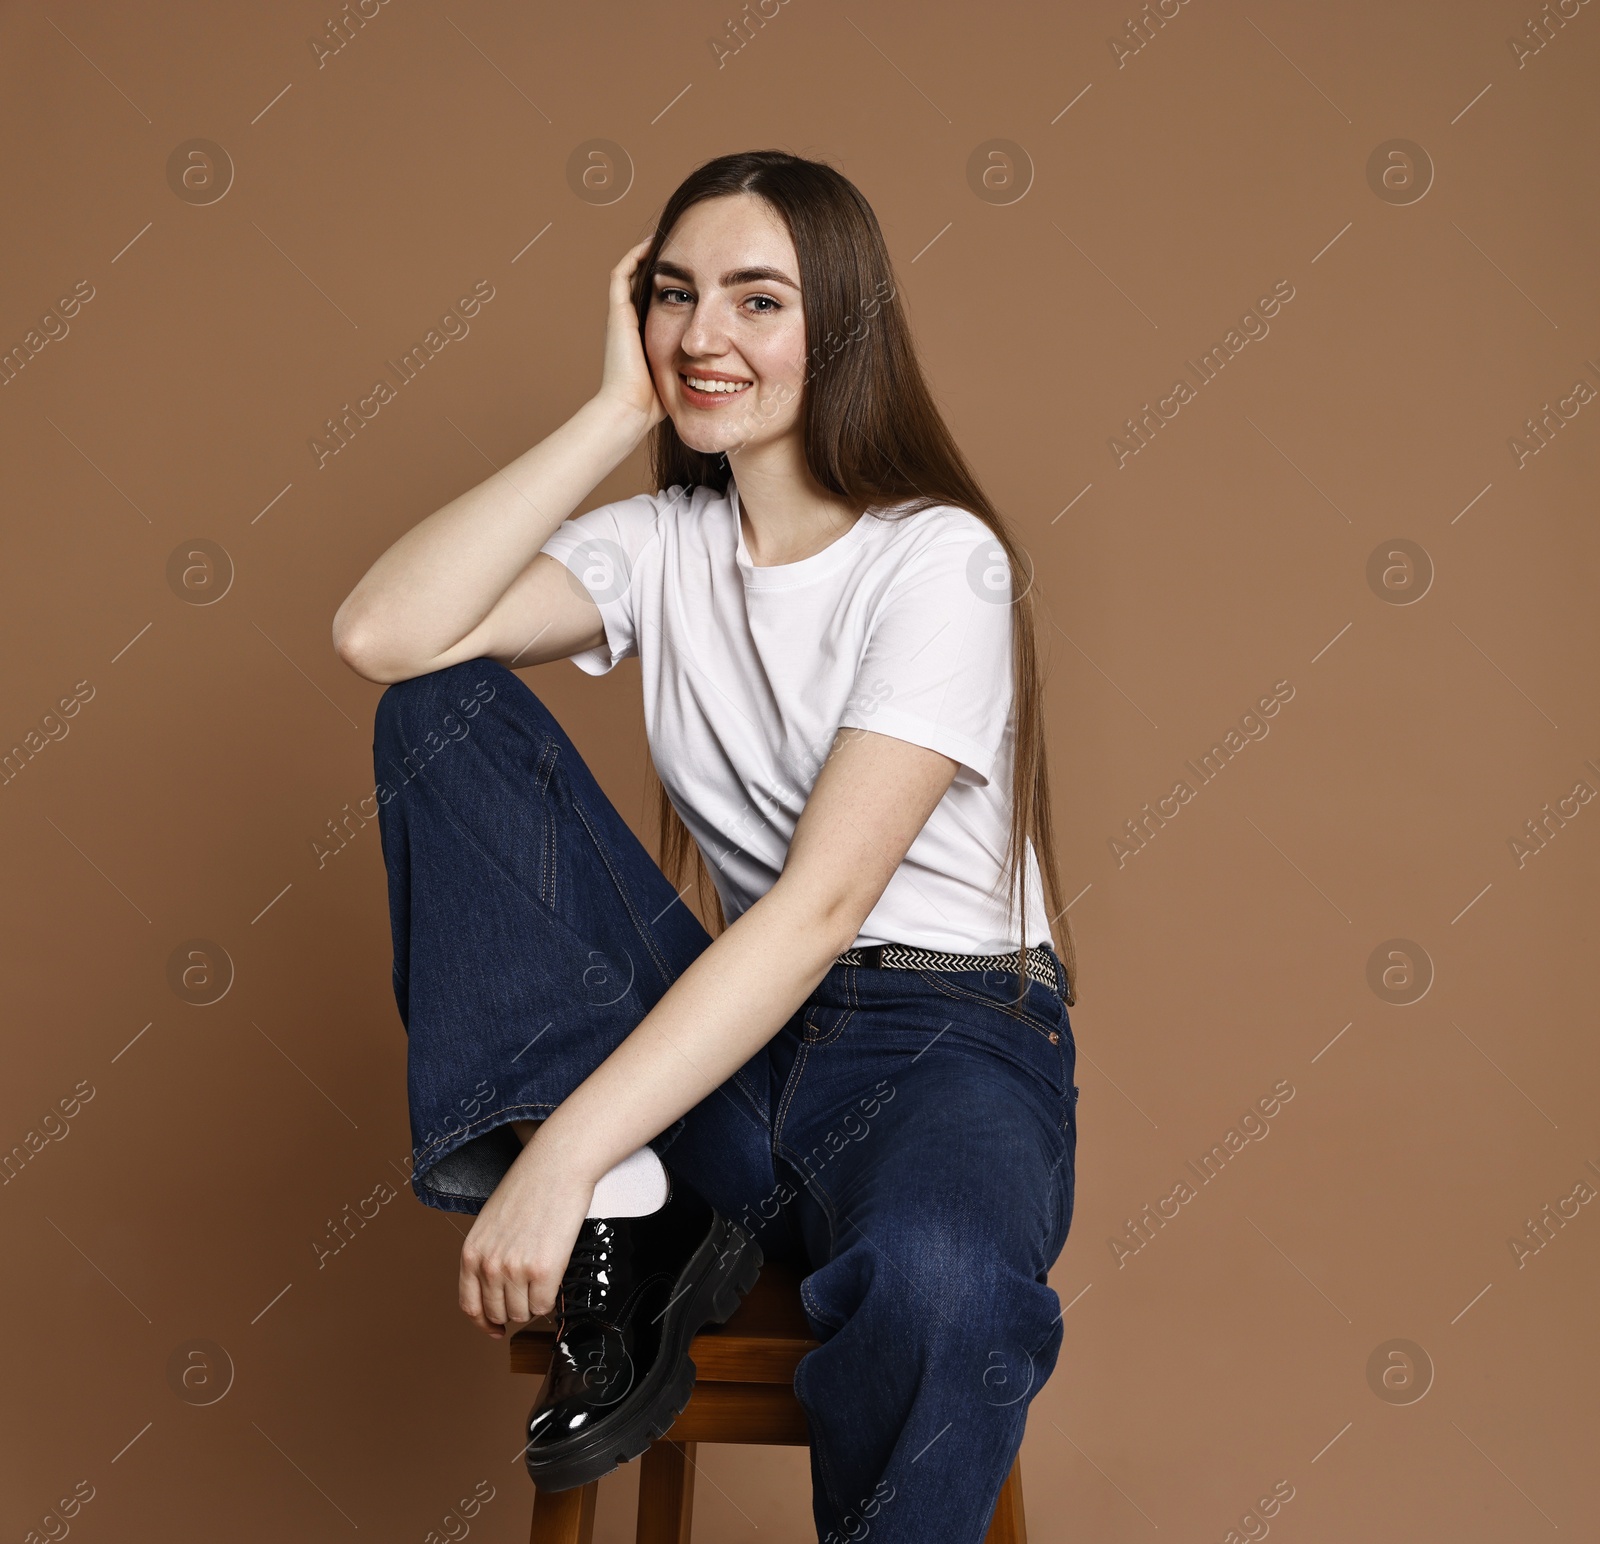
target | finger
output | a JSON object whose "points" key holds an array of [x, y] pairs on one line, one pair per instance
{"points": [[516, 1298], [470, 1297], [633, 257], [543, 1295], [492, 1289]]}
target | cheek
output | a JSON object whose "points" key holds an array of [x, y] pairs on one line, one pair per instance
{"points": [[660, 341], [780, 360]]}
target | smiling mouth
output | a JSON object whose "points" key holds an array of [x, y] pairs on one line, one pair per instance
{"points": [[710, 390]]}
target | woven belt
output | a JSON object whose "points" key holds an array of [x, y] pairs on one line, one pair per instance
{"points": [[1041, 964]]}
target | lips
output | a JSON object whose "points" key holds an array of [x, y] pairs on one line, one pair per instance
{"points": [[711, 399]]}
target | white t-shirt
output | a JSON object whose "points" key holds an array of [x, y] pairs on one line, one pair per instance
{"points": [[901, 626]]}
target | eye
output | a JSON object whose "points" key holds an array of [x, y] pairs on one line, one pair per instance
{"points": [[666, 290], [769, 301]]}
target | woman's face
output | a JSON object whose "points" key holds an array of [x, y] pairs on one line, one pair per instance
{"points": [[724, 333]]}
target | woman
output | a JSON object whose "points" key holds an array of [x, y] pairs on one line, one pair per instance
{"points": [[842, 703]]}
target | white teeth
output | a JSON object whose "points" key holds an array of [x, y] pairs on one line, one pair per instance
{"points": [[716, 386]]}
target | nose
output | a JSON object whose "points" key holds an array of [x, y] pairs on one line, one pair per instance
{"points": [[706, 336]]}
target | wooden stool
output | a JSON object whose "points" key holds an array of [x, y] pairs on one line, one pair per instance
{"points": [[743, 1393]]}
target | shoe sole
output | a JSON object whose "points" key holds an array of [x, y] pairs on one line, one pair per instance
{"points": [[719, 1273]]}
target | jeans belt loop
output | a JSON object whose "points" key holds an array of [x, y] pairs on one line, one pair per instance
{"points": [[1063, 987]]}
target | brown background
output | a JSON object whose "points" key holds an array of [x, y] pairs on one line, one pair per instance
{"points": [[1234, 1351]]}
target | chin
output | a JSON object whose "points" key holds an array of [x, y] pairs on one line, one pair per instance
{"points": [[712, 439], [701, 437]]}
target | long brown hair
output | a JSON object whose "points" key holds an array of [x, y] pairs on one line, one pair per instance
{"points": [[873, 436]]}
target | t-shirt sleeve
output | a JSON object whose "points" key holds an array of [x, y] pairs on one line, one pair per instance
{"points": [[937, 668], [602, 550]]}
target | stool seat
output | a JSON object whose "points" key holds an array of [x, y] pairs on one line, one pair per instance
{"points": [[743, 1393]]}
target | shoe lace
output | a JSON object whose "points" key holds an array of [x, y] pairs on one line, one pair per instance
{"points": [[583, 1285]]}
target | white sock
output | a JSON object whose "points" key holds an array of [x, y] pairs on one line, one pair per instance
{"points": [[634, 1188]]}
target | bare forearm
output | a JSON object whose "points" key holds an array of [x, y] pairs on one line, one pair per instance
{"points": [[440, 579], [733, 999]]}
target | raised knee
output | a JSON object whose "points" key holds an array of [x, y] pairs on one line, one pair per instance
{"points": [[441, 701]]}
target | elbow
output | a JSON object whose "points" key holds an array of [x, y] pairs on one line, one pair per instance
{"points": [[350, 646], [360, 651]]}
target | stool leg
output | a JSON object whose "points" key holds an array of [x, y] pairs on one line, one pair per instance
{"points": [[666, 1493], [1008, 1526], [564, 1516]]}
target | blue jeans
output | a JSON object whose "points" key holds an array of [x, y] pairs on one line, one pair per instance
{"points": [[906, 1139]]}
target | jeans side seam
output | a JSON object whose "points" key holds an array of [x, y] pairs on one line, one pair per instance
{"points": [[1057, 1204], [547, 762], [552, 851], [550, 913], [552, 846], [830, 1483], [454, 816], [639, 924]]}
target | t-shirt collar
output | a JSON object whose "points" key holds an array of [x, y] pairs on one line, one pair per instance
{"points": [[784, 576]]}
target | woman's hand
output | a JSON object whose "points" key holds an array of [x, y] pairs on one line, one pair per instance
{"points": [[626, 380], [517, 1251]]}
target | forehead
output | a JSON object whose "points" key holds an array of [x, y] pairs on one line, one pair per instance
{"points": [[718, 240]]}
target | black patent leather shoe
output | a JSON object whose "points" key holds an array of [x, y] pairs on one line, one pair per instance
{"points": [[635, 1293]]}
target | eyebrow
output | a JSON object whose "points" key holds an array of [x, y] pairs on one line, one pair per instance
{"points": [[734, 276]]}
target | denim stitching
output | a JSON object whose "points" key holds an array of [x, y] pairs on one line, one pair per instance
{"points": [[808, 1300], [951, 990], [547, 762], [815, 1190], [787, 1098], [848, 987], [830, 1484], [541, 780], [551, 844], [826, 1037], [752, 1098], [645, 936], [486, 1120], [1056, 1203], [454, 817]]}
